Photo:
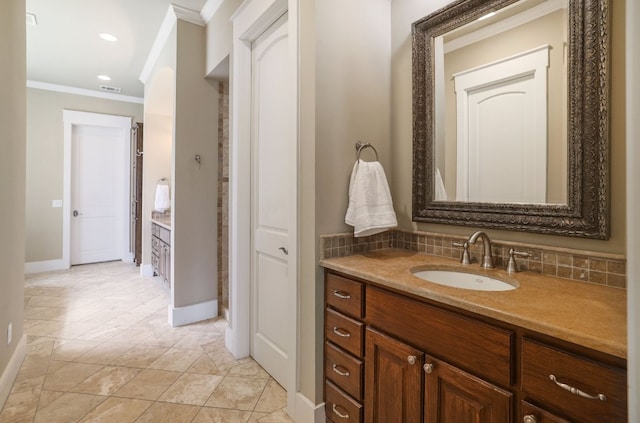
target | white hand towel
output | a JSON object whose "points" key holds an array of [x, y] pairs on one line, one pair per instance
{"points": [[162, 202], [370, 208]]}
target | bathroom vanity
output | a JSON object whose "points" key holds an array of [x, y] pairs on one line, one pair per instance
{"points": [[161, 251], [402, 349]]}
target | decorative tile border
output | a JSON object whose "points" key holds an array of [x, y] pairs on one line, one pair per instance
{"points": [[583, 266]]}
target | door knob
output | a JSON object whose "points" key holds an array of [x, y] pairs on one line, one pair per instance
{"points": [[76, 213]]}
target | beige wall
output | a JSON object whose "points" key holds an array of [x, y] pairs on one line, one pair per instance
{"points": [[194, 215], [181, 110], [352, 103], [633, 192], [404, 12], [12, 176], [45, 146]]}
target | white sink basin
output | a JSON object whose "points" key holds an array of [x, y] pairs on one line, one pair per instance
{"points": [[464, 280]]}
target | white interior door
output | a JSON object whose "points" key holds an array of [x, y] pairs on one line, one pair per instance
{"points": [[501, 114], [507, 162], [97, 194], [271, 201]]}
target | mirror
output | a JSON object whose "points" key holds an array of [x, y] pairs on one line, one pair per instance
{"points": [[510, 115]]}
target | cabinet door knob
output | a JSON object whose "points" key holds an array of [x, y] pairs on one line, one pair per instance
{"points": [[428, 368], [411, 359], [530, 418]]}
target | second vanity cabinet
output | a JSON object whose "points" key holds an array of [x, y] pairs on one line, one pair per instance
{"points": [[161, 252], [391, 357]]}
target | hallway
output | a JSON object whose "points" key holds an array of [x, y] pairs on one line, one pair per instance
{"points": [[99, 349]]}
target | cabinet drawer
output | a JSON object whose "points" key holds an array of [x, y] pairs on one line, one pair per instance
{"points": [[343, 370], [165, 235], [344, 332], [345, 295], [534, 414], [340, 408], [541, 364], [474, 346]]}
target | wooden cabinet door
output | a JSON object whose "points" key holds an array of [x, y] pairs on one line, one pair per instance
{"points": [[454, 396], [393, 380]]}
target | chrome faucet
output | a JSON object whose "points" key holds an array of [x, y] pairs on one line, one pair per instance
{"points": [[487, 257]]}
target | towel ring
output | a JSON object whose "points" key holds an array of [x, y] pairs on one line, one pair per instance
{"points": [[362, 145]]}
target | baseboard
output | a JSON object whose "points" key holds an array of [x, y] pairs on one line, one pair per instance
{"points": [[44, 266], [225, 313], [193, 313], [232, 344], [146, 270], [11, 371], [308, 412], [128, 258]]}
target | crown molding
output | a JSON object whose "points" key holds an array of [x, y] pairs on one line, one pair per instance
{"points": [[188, 15], [173, 14], [83, 92], [162, 36], [209, 9]]}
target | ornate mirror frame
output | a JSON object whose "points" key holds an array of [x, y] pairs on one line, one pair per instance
{"points": [[586, 213]]}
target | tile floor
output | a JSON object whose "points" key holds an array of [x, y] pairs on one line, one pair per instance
{"points": [[99, 349]]}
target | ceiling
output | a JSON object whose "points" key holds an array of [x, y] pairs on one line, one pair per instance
{"points": [[64, 47]]}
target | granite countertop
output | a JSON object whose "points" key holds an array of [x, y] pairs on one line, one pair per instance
{"points": [[585, 314]]}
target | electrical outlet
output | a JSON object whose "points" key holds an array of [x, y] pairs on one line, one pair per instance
{"points": [[9, 333]]}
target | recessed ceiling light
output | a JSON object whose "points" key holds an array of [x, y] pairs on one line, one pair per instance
{"points": [[108, 37], [104, 77], [31, 19]]}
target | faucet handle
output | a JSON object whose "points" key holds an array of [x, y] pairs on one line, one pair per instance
{"points": [[512, 266], [465, 258]]}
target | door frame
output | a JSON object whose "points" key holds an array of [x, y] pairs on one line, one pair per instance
{"points": [[251, 19], [73, 118]]}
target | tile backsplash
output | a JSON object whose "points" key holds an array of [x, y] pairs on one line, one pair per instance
{"points": [[584, 266]]}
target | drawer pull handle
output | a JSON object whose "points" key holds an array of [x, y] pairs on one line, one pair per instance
{"points": [[338, 370], [576, 391], [341, 332], [530, 418], [338, 413], [342, 295]]}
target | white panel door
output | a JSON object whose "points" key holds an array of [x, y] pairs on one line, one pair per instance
{"points": [[97, 195], [507, 161], [501, 115], [271, 203]]}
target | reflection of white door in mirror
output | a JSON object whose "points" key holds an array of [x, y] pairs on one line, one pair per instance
{"points": [[505, 38], [501, 130]]}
